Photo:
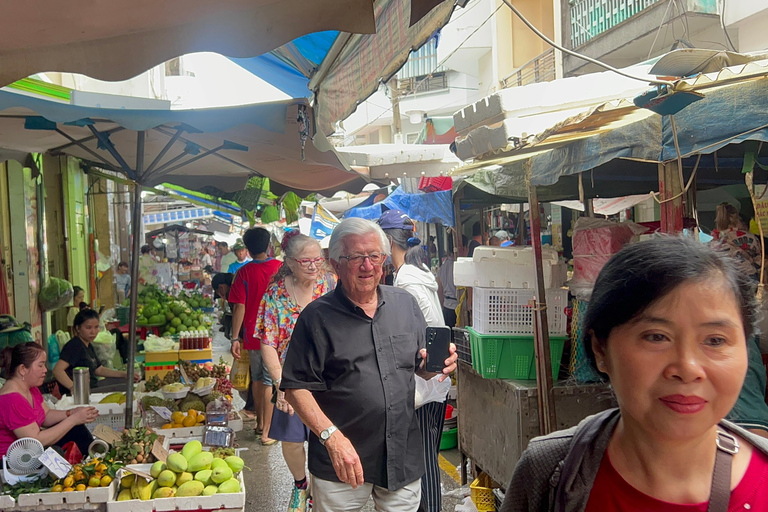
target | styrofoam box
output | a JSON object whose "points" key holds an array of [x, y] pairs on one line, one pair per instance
{"points": [[508, 311], [508, 267], [54, 500], [192, 503], [111, 415]]}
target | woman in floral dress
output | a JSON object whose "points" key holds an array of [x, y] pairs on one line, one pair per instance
{"points": [[301, 279]]}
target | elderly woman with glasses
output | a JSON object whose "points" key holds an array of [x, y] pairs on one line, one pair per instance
{"points": [[301, 279]]}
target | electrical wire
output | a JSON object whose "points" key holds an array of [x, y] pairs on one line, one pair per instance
{"points": [[722, 24], [661, 25], [578, 55]]}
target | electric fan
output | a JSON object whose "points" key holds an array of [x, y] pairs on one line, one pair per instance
{"points": [[22, 461]]}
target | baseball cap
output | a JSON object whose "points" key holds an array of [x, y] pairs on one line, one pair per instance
{"points": [[238, 244], [396, 219], [501, 234]]}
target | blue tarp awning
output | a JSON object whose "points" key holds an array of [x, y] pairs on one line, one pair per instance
{"points": [[433, 207]]}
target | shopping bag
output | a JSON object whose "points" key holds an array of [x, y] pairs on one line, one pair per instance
{"points": [[431, 390], [241, 372], [72, 453]]}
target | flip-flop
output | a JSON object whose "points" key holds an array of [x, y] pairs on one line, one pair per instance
{"points": [[248, 415], [258, 431], [268, 442]]}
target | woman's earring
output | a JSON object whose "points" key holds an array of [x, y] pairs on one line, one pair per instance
{"points": [[601, 364]]}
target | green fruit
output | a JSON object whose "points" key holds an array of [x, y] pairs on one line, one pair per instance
{"points": [[210, 490], [195, 323], [127, 481], [157, 468], [169, 316], [221, 475], [176, 463], [200, 462], [184, 478], [230, 486], [171, 331], [175, 322], [183, 317], [235, 463], [204, 476], [191, 449], [218, 463], [166, 479], [125, 495], [193, 488]]}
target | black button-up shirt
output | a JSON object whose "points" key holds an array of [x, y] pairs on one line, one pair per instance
{"points": [[360, 371]]}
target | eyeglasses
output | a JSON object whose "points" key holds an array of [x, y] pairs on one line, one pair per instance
{"points": [[357, 260], [306, 263]]}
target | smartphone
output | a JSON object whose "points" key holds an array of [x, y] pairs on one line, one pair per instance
{"points": [[438, 348]]}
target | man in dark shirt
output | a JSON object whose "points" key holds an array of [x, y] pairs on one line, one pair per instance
{"points": [[349, 374], [477, 239]]}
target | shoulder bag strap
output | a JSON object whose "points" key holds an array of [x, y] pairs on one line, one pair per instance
{"points": [[720, 495]]}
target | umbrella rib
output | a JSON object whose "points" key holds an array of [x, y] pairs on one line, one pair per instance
{"points": [[168, 146], [87, 139], [115, 154], [81, 144]]}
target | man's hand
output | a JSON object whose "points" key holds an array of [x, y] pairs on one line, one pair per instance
{"points": [[345, 460], [235, 349], [282, 404], [450, 365]]}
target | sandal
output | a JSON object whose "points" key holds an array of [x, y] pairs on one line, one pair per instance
{"points": [[268, 442]]}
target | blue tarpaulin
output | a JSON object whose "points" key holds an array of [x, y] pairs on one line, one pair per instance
{"points": [[433, 207]]}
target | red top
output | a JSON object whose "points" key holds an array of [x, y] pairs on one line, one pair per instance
{"points": [[611, 493], [248, 287], [16, 412]]}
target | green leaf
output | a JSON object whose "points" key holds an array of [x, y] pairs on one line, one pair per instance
{"points": [[250, 215], [291, 204], [270, 214]]}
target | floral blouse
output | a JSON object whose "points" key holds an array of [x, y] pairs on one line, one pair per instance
{"points": [[279, 311]]}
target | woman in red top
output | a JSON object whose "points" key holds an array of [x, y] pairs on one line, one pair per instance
{"points": [[667, 324], [23, 412]]}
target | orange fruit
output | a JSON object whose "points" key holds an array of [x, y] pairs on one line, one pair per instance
{"points": [[167, 426], [192, 413], [106, 480], [189, 421], [68, 489], [177, 417], [94, 481], [80, 487], [57, 488]]}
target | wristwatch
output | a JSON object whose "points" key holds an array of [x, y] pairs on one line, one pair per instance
{"points": [[327, 433]]}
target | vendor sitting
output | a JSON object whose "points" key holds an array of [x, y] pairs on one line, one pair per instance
{"points": [[79, 352], [23, 413]]}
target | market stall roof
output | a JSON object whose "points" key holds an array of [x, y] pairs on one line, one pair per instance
{"points": [[357, 64], [176, 228], [191, 148], [618, 131], [389, 161], [112, 40], [433, 207]]}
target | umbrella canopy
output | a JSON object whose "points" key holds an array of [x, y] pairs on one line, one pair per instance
{"points": [[176, 229], [114, 40], [223, 147]]}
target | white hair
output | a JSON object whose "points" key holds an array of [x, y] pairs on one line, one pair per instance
{"points": [[355, 226]]}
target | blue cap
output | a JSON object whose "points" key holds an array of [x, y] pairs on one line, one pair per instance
{"points": [[396, 219]]}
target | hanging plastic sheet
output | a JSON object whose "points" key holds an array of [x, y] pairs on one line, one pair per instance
{"points": [[433, 208]]}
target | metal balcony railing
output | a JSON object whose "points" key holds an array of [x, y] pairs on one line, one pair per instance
{"points": [[540, 69], [590, 18]]}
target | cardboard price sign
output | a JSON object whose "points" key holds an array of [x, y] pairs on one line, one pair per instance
{"points": [[159, 451], [55, 463], [106, 434]]}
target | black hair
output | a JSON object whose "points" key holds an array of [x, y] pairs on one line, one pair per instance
{"points": [[222, 244], [75, 291], [22, 354], [122, 264], [256, 240], [83, 305], [221, 278], [645, 272], [406, 240], [85, 315], [145, 249], [476, 229]]}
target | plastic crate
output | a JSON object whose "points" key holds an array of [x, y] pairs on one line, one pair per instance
{"points": [[122, 313], [511, 357], [482, 493], [509, 311], [463, 346]]}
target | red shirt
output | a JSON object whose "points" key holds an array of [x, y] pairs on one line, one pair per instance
{"points": [[248, 287], [16, 413], [611, 493]]}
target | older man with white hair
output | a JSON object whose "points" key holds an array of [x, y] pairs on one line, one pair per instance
{"points": [[349, 374]]}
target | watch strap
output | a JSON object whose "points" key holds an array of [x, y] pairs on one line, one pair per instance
{"points": [[327, 433]]}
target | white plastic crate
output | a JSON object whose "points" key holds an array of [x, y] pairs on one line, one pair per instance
{"points": [[111, 415], [508, 267], [508, 311]]}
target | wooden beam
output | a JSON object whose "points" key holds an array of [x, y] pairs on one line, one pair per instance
{"points": [[670, 195]]}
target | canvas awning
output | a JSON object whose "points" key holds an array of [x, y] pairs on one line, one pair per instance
{"points": [[389, 161], [112, 40], [222, 147]]}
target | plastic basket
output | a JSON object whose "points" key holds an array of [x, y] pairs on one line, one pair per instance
{"points": [[463, 346], [511, 357], [482, 493], [509, 311], [123, 313], [449, 439]]}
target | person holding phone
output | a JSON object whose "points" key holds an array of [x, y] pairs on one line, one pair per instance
{"points": [[349, 374], [414, 277]]}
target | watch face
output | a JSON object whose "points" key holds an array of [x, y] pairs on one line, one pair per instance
{"points": [[324, 435]]}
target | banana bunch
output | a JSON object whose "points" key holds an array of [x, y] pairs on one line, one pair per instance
{"points": [[113, 398]]}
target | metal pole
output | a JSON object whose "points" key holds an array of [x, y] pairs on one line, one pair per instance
{"points": [[544, 384], [136, 252], [42, 253]]}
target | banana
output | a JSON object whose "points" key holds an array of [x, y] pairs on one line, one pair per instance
{"points": [[113, 398]]}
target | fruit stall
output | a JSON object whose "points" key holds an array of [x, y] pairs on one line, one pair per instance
{"points": [[166, 314]]}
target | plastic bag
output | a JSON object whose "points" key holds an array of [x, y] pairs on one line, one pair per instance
{"points": [[72, 453], [105, 347], [431, 390], [466, 506], [594, 242], [55, 294], [157, 344], [53, 351], [241, 372], [63, 338]]}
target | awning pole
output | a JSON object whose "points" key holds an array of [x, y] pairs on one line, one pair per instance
{"points": [[136, 253], [544, 384], [670, 196]]}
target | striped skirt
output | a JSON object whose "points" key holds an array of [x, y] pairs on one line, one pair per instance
{"points": [[431, 418]]}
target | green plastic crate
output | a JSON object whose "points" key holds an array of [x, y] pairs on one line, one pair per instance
{"points": [[496, 356]]}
